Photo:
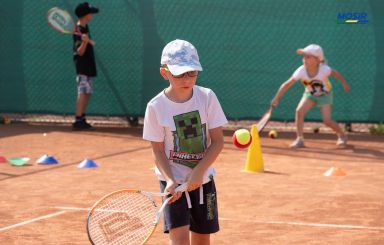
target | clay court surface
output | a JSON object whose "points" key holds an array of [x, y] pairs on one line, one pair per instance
{"points": [[290, 203]]}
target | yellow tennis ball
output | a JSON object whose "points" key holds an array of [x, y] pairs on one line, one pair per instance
{"points": [[242, 137], [273, 134]]}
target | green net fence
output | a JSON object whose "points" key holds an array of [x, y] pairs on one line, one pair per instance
{"points": [[247, 49]]}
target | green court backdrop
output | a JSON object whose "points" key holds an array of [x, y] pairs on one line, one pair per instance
{"points": [[247, 49]]}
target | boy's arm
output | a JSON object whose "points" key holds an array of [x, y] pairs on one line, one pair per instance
{"points": [[217, 142], [83, 46], [283, 88], [340, 77], [163, 166]]}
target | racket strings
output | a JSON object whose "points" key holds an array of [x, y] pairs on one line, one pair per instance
{"points": [[122, 218]]}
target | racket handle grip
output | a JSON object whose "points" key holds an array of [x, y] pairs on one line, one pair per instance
{"points": [[182, 188]]}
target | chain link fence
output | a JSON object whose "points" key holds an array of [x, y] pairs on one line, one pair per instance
{"points": [[247, 49]]}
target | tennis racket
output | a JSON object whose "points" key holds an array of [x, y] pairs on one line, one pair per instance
{"points": [[264, 119], [62, 21], [125, 217]]}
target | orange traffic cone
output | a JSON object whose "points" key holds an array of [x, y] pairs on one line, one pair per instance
{"points": [[254, 161], [335, 171]]}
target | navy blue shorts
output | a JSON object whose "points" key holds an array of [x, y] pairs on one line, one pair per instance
{"points": [[201, 218]]}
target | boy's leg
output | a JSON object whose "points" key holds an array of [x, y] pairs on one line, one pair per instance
{"points": [[84, 92], [200, 239], [81, 104], [204, 211], [179, 235], [205, 216], [176, 218]]}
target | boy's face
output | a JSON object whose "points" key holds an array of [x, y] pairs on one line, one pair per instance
{"points": [[87, 17], [182, 83]]}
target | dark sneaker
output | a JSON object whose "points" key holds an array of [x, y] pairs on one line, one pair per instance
{"points": [[87, 124], [80, 125], [133, 121]]}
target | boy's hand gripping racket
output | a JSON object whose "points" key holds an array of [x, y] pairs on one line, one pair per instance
{"points": [[264, 119], [125, 217], [62, 21]]}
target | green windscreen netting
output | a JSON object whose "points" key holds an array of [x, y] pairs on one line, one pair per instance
{"points": [[247, 49]]}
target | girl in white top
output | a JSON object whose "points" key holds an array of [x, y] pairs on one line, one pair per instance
{"points": [[318, 91]]}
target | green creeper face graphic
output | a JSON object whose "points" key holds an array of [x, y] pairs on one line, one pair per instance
{"points": [[189, 138]]}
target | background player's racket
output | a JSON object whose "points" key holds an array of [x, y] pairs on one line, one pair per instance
{"points": [[62, 21], [264, 120], [125, 217]]}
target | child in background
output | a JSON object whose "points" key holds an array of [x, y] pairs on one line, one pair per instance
{"points": [[184, 125], [84, 58], [314, 75]]}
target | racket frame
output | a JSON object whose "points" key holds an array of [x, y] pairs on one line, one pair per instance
{"points": [[74, 31], [150, 195], [264, 120]]}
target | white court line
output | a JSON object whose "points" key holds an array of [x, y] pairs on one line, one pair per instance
{"points": [[73, 208], [273, 222], [312, 224], [33, 220]]}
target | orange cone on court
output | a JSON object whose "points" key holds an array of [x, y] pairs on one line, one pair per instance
{"points": [[335, 171], [254, 162]]}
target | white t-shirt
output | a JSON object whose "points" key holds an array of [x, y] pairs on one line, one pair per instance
{"points": [[317, 85], [184, 129]]}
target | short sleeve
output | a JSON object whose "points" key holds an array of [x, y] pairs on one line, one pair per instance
{"points": [[216, 116], [298, 74], [152, 131], [327, 70]]}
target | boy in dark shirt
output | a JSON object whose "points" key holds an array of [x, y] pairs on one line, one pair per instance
{"points": [[84, 59]]}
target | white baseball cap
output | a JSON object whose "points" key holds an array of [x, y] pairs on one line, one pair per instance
{"points": [[180, 57], [312, 49]]}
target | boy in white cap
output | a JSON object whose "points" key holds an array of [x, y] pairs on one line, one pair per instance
{"points": [[314, 75], [184, 125]]}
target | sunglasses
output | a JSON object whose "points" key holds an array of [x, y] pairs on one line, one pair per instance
{"points": [[189, 74]]}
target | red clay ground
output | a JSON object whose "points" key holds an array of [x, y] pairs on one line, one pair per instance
{"points": [[291, 203]]}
